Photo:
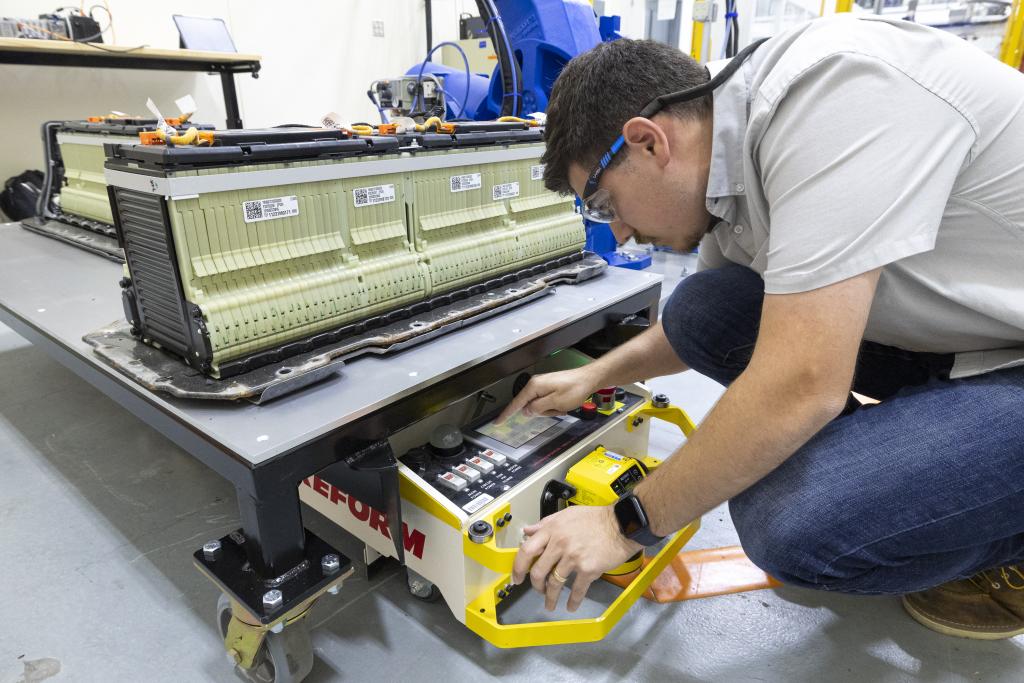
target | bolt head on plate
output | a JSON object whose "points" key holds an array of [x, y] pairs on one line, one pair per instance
{"points": [[273, 599], [330, 563], [211, 550]]}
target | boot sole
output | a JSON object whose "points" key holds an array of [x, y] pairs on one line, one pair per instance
{"points": [[947, 630]]}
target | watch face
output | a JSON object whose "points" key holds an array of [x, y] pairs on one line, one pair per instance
{"points": [[631, 520]]}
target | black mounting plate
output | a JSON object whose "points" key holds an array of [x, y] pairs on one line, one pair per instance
{"points": [[234, 575]]}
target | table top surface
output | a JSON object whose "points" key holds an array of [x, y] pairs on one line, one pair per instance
{"points": [[72, 48], [63, 293]]}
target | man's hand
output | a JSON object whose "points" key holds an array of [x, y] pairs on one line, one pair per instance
{"points": [[581, 539], [555, 393]]}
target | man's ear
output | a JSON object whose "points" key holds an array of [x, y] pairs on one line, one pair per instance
{"points": [[646, 139]]}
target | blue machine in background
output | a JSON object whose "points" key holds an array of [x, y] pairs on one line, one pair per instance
{"points": [[541, 36]]}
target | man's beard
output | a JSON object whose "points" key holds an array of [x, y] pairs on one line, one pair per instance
{"points": [[689, 246]]}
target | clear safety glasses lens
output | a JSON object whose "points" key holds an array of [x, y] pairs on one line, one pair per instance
{"points": [[598, 207]]}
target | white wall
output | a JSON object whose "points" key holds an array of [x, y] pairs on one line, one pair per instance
{"points": [[318, 56]]}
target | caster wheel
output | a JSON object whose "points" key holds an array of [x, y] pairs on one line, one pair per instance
{"points": [[285, 657], [432, 596], [421, 589]]}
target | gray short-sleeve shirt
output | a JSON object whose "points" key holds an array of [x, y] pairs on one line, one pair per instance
{"points": [[846, 145]]}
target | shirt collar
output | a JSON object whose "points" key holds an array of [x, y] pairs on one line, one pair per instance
{"points": [[729, 126]]}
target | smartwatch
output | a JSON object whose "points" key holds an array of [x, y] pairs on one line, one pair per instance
{"points": [[633, 521]]}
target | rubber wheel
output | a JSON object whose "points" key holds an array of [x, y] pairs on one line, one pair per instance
{"points": [[434, 595], [285, 657]]}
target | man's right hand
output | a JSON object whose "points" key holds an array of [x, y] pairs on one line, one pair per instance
{"points": [[555, 393]]}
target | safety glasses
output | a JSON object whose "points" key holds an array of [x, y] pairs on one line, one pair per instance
{"points": [[596, 202]]}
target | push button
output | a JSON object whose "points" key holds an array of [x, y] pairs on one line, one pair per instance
{"points": [[588, 411], [478, 463], [451, 481], [494, 456], [466, 472], [605, 398]]}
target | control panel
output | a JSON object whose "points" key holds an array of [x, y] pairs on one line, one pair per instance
{"points": [[474, 464]]}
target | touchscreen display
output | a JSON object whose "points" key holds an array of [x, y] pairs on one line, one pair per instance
{"points": [[518, 429]]}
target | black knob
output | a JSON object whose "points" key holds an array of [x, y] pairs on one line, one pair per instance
{"points": [[446, 442], [480, 531]]}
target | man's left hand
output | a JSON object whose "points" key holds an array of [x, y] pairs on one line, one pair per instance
{"points": [[582, 539]]}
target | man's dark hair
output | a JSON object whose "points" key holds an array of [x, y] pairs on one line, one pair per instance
{"points": [[599, 90]]}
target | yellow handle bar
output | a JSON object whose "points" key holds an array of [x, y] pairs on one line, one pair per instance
{"points": [[482, 613]]}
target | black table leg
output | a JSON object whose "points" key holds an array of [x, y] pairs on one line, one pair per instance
{"points": [[227, 82], [275, 538]]}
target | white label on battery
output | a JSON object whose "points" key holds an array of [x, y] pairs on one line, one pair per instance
{"points": [[613, 469], [267, 209], [537, 172], [504, 191], [378, 194], [461, 183], [477, 503], [612, 456]]}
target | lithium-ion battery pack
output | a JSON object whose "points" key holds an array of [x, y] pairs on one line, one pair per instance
{"points": [[79, 146], [238, 251]]}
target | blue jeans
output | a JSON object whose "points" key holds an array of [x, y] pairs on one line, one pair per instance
{"points": [[923, 488]]}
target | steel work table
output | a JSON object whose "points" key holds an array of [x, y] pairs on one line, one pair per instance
{"points": [[52, 294]]}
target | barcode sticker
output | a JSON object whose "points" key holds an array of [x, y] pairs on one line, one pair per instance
{"points": [[477, 503], [537, 172], [461, 183], [504, 191], [378, 194], [268, 209]]}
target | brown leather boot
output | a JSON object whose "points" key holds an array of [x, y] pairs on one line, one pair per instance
{"points": [[987, 606]]}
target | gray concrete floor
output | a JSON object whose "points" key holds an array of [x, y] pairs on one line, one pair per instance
{"points": [[99, 515]]}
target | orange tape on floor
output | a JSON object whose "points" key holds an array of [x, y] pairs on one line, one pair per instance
{"points": [[702, 574]]}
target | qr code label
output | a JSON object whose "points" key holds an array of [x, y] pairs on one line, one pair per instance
{"points": [[269, 209], [537, 172], [368, 196], [504, 191], [461, 183]]}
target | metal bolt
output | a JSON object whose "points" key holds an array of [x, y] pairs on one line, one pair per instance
{"points": [[502, 594], [501, 521], [638, 421], [211, 549], [660, 401], [508, 517], [272, 599], [278, 627], [330, 563]]}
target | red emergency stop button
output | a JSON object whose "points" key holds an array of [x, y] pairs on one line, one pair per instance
{"points": [[588, 411]]}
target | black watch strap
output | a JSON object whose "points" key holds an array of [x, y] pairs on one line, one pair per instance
{"points": [[633, 521]]}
